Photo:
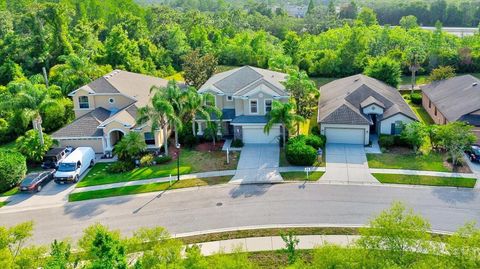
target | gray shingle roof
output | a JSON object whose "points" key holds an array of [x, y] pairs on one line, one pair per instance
{"points": [[85, 126], [371, 100], [455, 97], [250, 119], [348, 94], [238, 80]]}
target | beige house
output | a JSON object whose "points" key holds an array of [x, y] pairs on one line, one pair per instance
{"points": [[245, 96], [106, 110]]}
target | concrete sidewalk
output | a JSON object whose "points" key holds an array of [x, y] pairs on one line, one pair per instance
{"points": [[421, 173], [270, 243]]}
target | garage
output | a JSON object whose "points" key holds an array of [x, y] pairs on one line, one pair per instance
{"points": [[255, 135], [95, 143], [345, 135]]}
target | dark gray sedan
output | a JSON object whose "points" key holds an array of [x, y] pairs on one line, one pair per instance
{"points": [[35, 181]]}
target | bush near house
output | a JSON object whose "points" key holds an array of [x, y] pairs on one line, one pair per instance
{"points": [[163, 159], [416, 98], [237, 143], [147, 160], [13, 167], [120, 167], [302, 150]]}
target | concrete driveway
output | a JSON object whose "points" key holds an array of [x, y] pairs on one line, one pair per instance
{"points": [[347, 163], [258, 164]]}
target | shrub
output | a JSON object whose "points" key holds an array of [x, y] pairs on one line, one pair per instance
{"points": [[299, 153], [190, 141], [147, 160], [163, 159], [12, 169], [120, 167], [237, 143], [314, 141], [386, 141], [315, 130], [416, 98], [130, 146]]}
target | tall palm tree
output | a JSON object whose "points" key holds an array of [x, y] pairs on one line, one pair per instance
{"points": [[283, 114], [196, 105], [176, 98], [414, 58], [160, 113]]}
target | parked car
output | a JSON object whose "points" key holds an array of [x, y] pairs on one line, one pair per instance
{"points": [[474, 153], [36, 181], [54, 156], [72, 167]]}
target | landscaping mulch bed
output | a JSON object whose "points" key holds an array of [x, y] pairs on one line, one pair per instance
{"points": [[208, 146], [459, 169]]}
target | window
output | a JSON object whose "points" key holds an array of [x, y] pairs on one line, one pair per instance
{"points": [[435, 111], [111, 100], [254, 106], [229, 98], [429, 104], [83, 102], [149, 138], [397, 127], [268, 105]]}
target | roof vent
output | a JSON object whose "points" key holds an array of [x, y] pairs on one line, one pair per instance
{"points": [[474, 84]]}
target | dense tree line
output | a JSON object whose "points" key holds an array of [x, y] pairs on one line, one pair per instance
{"points": [[76, 41]]}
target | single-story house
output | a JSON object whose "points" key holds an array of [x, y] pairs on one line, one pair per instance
{"points": [[352, 109], [245, 96], [106, 110], [454, 99]]}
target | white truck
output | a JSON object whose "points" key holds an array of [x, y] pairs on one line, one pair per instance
{"points": [[74, 165]]}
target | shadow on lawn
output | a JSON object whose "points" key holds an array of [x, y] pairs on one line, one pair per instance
{"points": [[249, 190], [454, 196]]}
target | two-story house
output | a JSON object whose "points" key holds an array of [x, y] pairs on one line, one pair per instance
{"points": [[245, 95], [106, 110]]}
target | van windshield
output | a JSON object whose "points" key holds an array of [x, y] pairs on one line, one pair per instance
{"points": [[67, 167]]}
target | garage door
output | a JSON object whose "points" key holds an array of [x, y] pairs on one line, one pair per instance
{"points": [[255, 135], [345, 136]]}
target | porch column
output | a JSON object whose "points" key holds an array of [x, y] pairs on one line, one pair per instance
{"points": [[200, 130]]}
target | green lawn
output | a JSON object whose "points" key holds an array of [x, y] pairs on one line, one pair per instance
{"points": [[301, 176], [426, 180], [3, 204], [421, 79], [10, 192], [191, 161], [431, 162], [421, 113], [80, 196]]}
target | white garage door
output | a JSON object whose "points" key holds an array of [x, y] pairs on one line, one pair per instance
{"points": [[345, 136], [255, 135]]}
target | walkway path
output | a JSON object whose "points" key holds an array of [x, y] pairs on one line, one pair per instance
{"points": [[258, 164], [347, 163], [269, 243]]}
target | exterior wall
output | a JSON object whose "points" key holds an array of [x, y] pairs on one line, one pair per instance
{"points": [[228, 104], [386, 125], [120, 101], [260, 97], [159, 139], [219, 101], [347, 126], [96, 144], [239, 106], [373, 109], [76, 106], [439, 118]]}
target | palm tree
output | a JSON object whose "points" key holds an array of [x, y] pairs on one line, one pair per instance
{"points": [[176, 97], [284, 114], [196, 105], [415, 57]]}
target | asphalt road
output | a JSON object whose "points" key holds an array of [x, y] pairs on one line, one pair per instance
{"points": [[246, 205]]}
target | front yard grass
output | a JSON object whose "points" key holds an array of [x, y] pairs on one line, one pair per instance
{"points": [[191, 161], [301, 176], [10, 192], [421, 113], [431, 162], [426, 180], [4, 203], [152, 187]]}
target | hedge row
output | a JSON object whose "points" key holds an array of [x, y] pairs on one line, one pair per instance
{"points": [[302, 150]]}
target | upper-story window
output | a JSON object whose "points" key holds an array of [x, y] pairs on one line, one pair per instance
{"points": [[229, 98], [254, 106], [83, 102], [268, 105]]}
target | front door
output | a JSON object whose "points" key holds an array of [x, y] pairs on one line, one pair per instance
{"points": [[373, 127]]}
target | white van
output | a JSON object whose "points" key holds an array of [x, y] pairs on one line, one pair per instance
{"points": [[72, 167]]}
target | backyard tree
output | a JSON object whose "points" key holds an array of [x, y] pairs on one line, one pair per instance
{"points": [[12, 169], [384, 69], [367, 17], [441, 73], [414, 57], [198, 68], [455, 137], [130, 147], [31, 146], [408, 22], [283, 114]]}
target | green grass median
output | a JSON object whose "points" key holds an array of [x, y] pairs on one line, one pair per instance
{"points": [[426, 180], [301, 176]]}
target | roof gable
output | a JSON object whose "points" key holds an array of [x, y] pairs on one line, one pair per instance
{"points": [[238, 80], [345, 114]]}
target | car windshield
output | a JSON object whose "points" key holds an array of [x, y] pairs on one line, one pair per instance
{"points": [[66, 167], [29, 179], [476, 150]]}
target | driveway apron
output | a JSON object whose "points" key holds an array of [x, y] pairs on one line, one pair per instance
{"points": [[347, 163], [258, 164]]}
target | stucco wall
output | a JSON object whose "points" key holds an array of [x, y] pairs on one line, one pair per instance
{"points": [[76, 107], [347, 126], [120, 101], [439, 118], [386, 125]]}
